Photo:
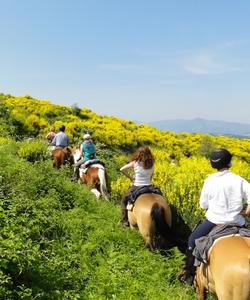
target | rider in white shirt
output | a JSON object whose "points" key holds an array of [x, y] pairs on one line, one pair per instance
{"points": [[222, 196]]}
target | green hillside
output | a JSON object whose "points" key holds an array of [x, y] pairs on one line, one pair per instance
{"points": [[57, 241]]}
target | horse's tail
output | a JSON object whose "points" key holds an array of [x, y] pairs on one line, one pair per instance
{"points": [[158, 215], [162, 227], [103, 184]]}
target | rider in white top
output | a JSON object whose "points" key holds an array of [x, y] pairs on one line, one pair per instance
{"points": [[143, 166], [222, 196], [141, 176]]}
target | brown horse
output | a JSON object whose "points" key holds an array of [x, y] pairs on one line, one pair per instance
{"points": [[153, 216], [62, 156], [227, 273]]}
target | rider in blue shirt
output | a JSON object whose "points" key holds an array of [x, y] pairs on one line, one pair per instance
{"points": [[88, 153], [61, 139], [87, 148]]}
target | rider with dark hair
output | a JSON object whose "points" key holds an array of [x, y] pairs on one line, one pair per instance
{"points": [[143, 166], [222, 197], [61, 139]]}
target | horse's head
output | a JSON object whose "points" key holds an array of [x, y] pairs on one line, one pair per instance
{"points": [[76, 154]]}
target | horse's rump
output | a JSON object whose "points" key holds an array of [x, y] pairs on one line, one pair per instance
{"points": [[146, 208], [96, 179], [61, 156], [58, 151], [228, 270], [144, 203]]}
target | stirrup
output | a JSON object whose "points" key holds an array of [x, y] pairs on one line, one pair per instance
{"points": [[185, 277], [125, 224]]}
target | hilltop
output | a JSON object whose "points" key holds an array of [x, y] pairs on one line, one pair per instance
{"points": [[25, 116], [199, 125]]}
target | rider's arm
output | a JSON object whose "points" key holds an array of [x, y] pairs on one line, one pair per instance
{"points": [[125, 169], [246, 195], [81, 150], [246, 212], [54, 140]]}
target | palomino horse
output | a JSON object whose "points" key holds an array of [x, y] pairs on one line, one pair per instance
{"points": [[153, 216], [62, 156], [227, 273], [95, 177]]}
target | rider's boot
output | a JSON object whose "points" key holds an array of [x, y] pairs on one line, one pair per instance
{"points": [[187, 274], [76, 175]]}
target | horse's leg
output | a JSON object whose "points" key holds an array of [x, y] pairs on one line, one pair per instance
{"points": [[147, 231], [56, 162], [96, 193], [102, 179], [199, 286]]}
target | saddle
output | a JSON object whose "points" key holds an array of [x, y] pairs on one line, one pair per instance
{"points": [[204, 243], [147, 189], [85, 166], [91, 162]]}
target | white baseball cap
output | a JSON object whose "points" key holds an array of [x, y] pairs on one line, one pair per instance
{"points": [[86, 136]]}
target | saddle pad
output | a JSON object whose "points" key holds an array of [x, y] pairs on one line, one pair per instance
{"points": [[99, 166], [147, 189], [204, 243]]}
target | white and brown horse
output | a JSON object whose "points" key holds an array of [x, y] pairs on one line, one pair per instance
{"points": [[227, 273], [95, 177], [153, 216]]}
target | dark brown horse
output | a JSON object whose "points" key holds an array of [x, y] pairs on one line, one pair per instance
{"points": [[154, 218], [227, 273], [62, 156]]}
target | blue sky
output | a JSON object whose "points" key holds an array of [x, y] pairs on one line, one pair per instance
{"points": [[140, 60]]}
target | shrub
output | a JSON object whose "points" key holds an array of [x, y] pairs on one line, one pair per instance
{"points": [[33, 150]]}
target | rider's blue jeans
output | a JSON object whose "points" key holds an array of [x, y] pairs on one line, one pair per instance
{"points": [[202, 229]]}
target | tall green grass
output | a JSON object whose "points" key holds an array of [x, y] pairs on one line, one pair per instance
{"points": [[58, 242]]}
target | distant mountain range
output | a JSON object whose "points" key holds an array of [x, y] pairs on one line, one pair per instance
{"points": [[204, 126]]}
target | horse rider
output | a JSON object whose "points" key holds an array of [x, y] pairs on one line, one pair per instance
{"points": [[50, 136], [61, 139], [143, 166], [222, 197], [88, 152]]}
